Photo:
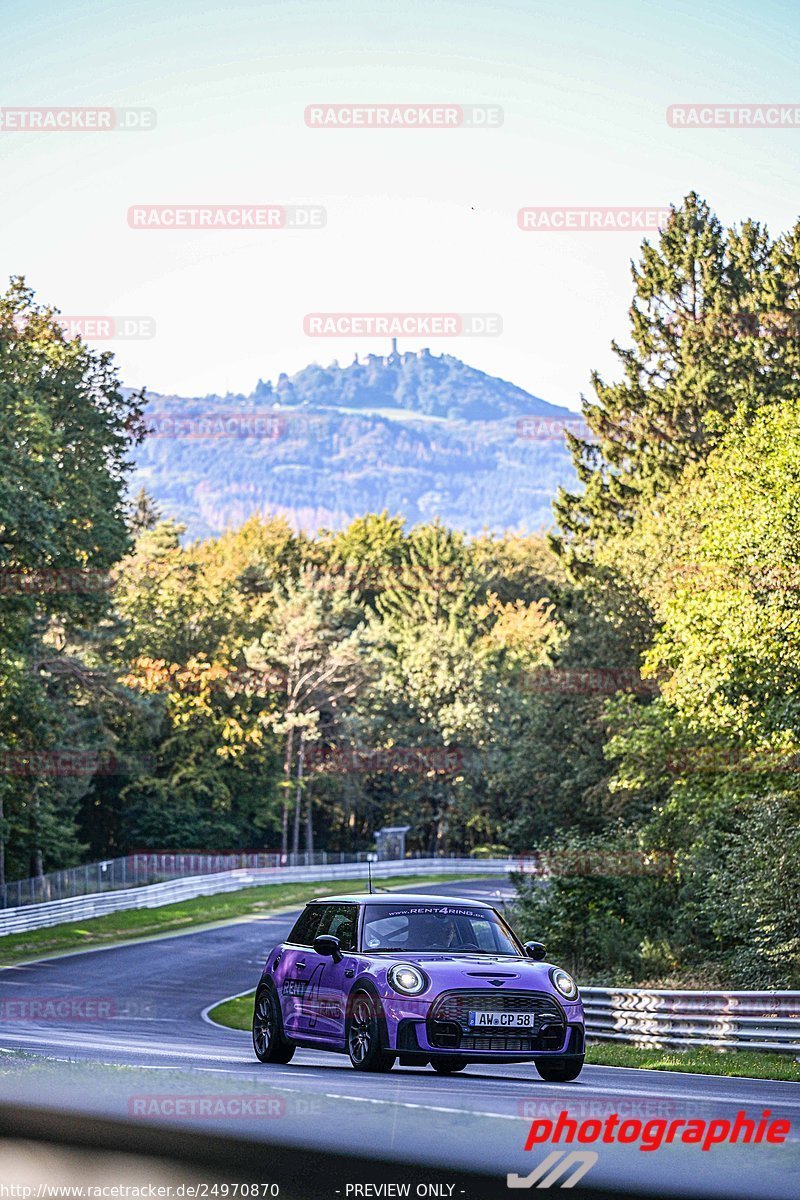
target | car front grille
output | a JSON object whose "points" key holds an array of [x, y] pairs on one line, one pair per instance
{"points": [[505, 1043], [448, 1018]]}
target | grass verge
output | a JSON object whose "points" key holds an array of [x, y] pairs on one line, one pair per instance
{"points": [[702, 1060], [235, 1014], [145, 922]]}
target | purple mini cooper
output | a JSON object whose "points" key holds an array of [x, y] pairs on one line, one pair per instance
{"points": [[420, 980]]}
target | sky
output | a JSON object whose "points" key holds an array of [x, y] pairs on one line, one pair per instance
{"points": [[418, 220]]}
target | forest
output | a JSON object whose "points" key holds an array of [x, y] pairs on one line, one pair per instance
{"points": [[619, 695]]}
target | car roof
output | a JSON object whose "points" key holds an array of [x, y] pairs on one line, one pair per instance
{"points": [[398, 898]]}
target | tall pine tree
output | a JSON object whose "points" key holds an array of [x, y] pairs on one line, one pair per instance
{"points": [[713, 328]]}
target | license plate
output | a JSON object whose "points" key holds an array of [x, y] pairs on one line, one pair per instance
{"points": [[502, 1020]]}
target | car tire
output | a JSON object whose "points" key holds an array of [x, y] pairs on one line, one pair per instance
{"points": [[268, 1041], [559, 1070], [363, 1035], [446, 1066]]}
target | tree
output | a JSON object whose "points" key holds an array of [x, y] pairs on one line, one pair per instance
{"points": [[713, 333], [314, 639], [65, 431], [145, 513], [64, 439], [714, 330], [719, 560]]}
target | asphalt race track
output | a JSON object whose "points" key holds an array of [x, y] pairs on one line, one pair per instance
{"points": [[150, 1038]]}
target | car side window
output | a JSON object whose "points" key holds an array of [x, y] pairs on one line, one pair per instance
{"points": [[307, 925], [340, 921]]}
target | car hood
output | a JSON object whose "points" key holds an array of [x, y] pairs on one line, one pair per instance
{"points": [[479, 970]]}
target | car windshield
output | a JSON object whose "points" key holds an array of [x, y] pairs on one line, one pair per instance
{"points": [[453, 929]]}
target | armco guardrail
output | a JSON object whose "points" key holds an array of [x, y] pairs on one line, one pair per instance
{"points": [[726, 1020], [136, 870], [80, 908]]}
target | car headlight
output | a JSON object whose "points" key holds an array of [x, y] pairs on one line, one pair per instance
{"points": [[564, 984], [407, 979]]}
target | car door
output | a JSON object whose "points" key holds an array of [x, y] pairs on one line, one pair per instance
{"points": [[294, 975], [326, 997]]}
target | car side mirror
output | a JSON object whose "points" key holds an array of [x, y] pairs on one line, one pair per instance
{"points": [[535, 950], [328, 945]]}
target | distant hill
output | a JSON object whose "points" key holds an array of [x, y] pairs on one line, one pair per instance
{"points": [[421, 382], [419, 434]]}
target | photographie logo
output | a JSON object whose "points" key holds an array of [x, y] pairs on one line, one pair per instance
{"points": [[734, 116], [610, 219], [652, 1134], [403, 116], [227, 216], [107, 328], [72, 119], [405, 324]]}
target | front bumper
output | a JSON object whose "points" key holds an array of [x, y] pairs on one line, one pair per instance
{"points": [[424, 1029]]}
